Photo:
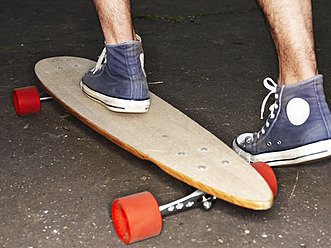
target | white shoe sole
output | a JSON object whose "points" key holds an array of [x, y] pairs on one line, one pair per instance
{"points": [[311, 152], [116, 104]]}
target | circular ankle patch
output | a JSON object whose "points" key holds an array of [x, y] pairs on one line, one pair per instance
{"points": [[298, 111]]}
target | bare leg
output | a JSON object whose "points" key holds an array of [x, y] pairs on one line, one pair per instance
{"points": [[298, 128], [115, 19], [292, 31]]}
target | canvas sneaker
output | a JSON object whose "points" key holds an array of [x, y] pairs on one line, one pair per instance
{"points": [[118, 81], [297, 130]]}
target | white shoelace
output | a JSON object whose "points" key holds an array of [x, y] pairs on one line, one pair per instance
{"points": [[102, 60], [271, 86]]}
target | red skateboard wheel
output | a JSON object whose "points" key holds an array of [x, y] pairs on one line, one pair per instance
{"points": [[26, 101], [136, 217], [268, 174]]}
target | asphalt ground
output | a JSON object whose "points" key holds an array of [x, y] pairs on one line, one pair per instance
{"points": [[58, 177]]}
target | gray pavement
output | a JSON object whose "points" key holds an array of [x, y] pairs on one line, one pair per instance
{"points": [[58, 177]]}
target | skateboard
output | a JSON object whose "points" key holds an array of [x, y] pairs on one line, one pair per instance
{"points": [[164, 136]]}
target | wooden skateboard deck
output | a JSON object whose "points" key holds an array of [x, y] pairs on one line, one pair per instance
{"points": [[163, 135]]}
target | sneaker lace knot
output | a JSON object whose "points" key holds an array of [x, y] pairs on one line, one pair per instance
{"points": [[271, 86]]}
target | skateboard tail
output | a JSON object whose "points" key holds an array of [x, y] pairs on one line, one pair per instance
{"points": [[231, 198]]}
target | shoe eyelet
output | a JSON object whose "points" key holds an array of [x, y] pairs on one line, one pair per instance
{"points": [[279, 142], [269, 143]]}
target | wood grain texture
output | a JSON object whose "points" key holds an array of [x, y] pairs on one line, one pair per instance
{"points": [[164, 135]]}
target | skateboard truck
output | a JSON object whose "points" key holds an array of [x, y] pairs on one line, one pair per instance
{"points": [[28, 100], [196, 199], [138, 217]]}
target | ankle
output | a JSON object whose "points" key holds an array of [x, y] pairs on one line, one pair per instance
{"points": [[128, 35], [292, 75]]}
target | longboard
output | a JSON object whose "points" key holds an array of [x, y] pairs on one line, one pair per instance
{"points": [[163, 135]]}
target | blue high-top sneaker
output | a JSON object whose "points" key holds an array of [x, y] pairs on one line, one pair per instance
{"points": [[297, 130], [118, 81]]}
